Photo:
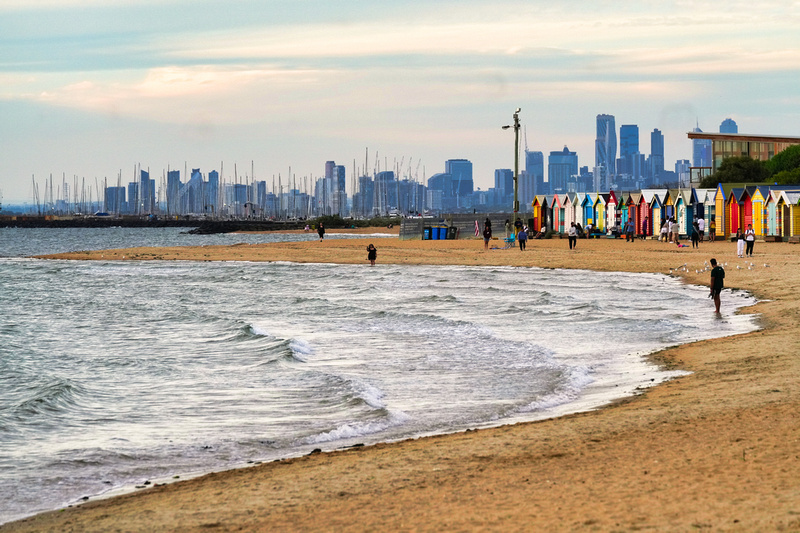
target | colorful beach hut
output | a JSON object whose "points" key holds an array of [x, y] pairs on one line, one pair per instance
{"points": [[758, 198], [601, 207], [589, 213], [558, 213], [577, 207]]}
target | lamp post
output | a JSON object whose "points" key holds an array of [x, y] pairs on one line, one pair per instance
{"points": [[516, 165]]}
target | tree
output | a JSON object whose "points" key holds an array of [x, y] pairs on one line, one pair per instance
{"points": [[740, 169], [787, 177], [786, 160]]}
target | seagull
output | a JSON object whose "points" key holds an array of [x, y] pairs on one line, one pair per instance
{"points": [[766, 265], [738, 267]]}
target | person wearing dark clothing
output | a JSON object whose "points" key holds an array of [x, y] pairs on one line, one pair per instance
{"points": [[522, 235], [717, 277], [749, 240], [487, 235], [572, 234], [321, 232], [629, 231], [372, 254], [695, 235]]}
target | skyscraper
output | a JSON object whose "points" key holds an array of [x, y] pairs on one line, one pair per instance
{"points": [[656, 155], [605, 149], [728, 126], [533, 181], [628, 150], [461, 171], [560, 167], [701, 150]]}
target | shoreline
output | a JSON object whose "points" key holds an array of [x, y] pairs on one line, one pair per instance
{"points": [[436, 482]]}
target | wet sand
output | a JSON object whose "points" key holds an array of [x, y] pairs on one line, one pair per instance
{"points": [[718, 449]]}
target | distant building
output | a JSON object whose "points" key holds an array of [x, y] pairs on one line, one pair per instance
{"points": [[682, 172], [701, 150], [656, 156], [560, 167], [761, 147], [628, 163], [532, 181], [728, 126], [605, 150]]}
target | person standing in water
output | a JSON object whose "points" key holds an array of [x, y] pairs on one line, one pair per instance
{"points": [[321, 231], [717, 283], [372, 254]]}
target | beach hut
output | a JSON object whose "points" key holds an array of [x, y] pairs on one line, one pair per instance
{"points": [[652, 211], [788, 212], [589, 213], [622, 209], [668, 204], [771, 215], [558, 213], [577, 207], [568, 202], [600, 204], [633, 211], [611, 202], [684, 209], [705, 204], [733, 211], [759, 202]]}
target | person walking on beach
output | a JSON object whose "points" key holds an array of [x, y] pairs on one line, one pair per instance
{"points": [[712, 230], [372, 254], [522, 235], [749, 239], [572, 234], [645, 227], [695, 234], [487, 235], [664, 231], [629, 231], [321, 232], [739, 243], [701, 225], [717, 277]]}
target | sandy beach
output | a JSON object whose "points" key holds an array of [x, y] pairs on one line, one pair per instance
{"points": [[718, 449]]}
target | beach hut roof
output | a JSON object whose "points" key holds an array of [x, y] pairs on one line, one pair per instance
{"points": [[705, 196], [636, 197], [573, 197], [793, 197]]}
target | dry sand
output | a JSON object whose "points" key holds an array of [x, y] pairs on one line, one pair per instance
{"points": [[718, 449]]}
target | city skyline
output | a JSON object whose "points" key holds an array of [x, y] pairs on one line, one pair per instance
{"points": [[91, 89]]}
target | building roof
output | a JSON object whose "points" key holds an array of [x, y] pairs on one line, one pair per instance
{"points": [[742, 137]]}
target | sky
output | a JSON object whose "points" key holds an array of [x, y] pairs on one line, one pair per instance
{"points": [[89, 89]]}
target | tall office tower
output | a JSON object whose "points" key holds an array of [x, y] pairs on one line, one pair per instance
{"points": [[701, 150], [461, 172], [605, 149], [339, 192], [385, 197], [173, 192], [133, 197], [504, 181], [728, 126], [147, 193], [683, 173], [363, 200], [212, 193], [628, 149], [533, 182], [656, 155], [114, 200], [560, 167]]}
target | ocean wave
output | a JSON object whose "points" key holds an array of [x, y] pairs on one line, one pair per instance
{"points": [[47, 398], [362, 428]]}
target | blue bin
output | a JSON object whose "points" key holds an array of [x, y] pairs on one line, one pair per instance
{"points": [[442, 233], [435, 233], [426, 234]]}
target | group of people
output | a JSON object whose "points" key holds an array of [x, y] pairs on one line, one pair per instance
{"points": [[745, 240]]}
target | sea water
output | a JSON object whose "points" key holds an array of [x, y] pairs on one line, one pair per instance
{"points": [[117, 373]]}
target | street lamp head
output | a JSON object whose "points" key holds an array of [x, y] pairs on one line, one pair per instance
{"points": [[506, 127], [518, 110]]}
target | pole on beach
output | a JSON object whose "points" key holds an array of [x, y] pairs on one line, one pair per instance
{"points": [[516, 165]]}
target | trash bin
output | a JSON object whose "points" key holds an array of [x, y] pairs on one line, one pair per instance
{"points": [[452, 232], [442, 233], [426, 233], [435, 233]]}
